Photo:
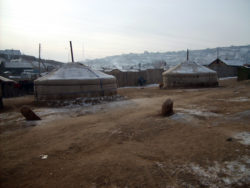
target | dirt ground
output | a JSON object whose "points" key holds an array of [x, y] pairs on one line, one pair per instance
{"points": [[127, 143]]}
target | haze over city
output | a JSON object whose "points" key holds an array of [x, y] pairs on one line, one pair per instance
{"points": [[103, 28]]}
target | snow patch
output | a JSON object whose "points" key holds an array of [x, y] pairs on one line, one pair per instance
{"points": [[198, 112], [228, 78], [146, 86], [68, 109], [219, 175], [189, 67], [239, 99], [182, 117], [243, 137]]}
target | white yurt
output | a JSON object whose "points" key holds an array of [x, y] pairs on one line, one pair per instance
{"points": [[189, 74], [74, 80]]}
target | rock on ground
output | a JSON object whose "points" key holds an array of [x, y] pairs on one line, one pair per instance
{"points": [[167, 108], [29, 114]]}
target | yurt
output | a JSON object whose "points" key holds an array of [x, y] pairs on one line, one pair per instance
{"points": [[74, 80], [189, 74]]}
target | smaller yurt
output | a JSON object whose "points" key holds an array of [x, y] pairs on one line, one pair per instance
{"points": [[74, 80], [189, 74]]}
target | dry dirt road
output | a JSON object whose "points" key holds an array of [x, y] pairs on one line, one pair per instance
{"points": [[126, 143]]}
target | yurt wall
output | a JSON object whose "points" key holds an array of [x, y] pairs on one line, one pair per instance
{"points": [[53, 92], [189, 80]]}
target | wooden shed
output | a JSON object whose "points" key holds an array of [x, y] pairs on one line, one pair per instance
{"points": [[226, 68], [8, 88], [244, 73]]}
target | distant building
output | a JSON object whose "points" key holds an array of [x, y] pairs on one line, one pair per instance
{"points": [[8, 87], [10, 52], [17, 66], [244, 73], [226, 68]]}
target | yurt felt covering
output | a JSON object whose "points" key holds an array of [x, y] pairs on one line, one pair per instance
{"points": [[74, 80], [189, 74]]}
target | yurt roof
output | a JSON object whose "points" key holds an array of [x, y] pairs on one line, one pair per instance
{"points": [[3, 79], [188, 67], [74, 71]]}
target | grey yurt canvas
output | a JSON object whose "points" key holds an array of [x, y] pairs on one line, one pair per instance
{"points": [[74, 80], [189, 74]]}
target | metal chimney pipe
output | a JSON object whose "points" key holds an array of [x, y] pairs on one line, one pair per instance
{"points": [[71, 49]]}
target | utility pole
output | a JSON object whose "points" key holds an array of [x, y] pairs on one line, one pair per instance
{"points": [[39, 59], [71, 49], [187, 55], [83, 51], [217, 53]]}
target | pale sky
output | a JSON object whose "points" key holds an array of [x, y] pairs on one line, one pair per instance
{"points": [[100, 28]]}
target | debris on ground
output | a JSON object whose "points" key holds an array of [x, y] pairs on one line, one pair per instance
{"points": [[44, 156]]}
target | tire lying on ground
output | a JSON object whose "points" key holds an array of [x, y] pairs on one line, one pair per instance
{"points": [[74, 80]]}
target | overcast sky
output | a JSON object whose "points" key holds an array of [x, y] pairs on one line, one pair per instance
{"points": [[100, 28]]}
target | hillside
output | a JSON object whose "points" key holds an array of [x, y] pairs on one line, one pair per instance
{"points": [[156, 59]]}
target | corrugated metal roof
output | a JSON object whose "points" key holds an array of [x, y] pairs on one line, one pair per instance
{"points": [[233, 62], [74, 71], [3, 79], [18, 64]]}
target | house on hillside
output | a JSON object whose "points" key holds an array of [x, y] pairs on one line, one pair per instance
{"points": [[226, 68], [16, 66], [8, 88], [10, 52]]}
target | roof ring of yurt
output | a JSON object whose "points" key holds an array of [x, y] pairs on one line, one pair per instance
{"points": [[74, 80], [189, 74]]}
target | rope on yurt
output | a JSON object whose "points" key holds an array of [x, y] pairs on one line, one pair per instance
{"points": [[99, 79]]}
